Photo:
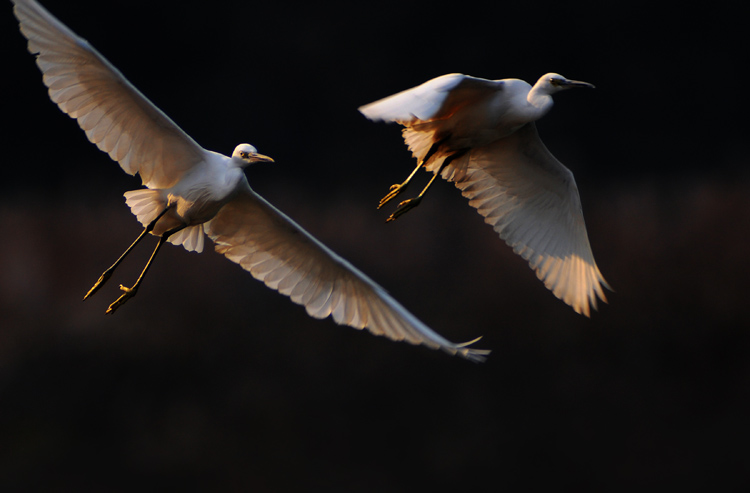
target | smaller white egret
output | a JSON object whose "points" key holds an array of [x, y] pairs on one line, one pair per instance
{"points": [[191, 192], [480, 134]]}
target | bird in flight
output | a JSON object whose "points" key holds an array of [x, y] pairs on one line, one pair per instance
{"points": [[480, 134], [192, 192]]}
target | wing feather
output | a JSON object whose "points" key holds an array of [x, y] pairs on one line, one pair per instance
{"points": [[532, 202], [436, 99], [113, 113], [251, 232]]}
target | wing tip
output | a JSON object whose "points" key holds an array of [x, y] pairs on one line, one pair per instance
{"points": [[370, 112], [595, 294], [473, 355]]}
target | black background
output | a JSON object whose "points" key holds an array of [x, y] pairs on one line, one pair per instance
{"points": [[209, 380]]}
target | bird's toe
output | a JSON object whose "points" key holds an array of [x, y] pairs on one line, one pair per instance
{"points": [[124, 297], [102, 279], [404, 207]]}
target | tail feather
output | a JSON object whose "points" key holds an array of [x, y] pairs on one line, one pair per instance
{"points": [[147, 204], [191, 238]]}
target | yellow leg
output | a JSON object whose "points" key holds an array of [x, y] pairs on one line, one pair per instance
{"points": [[108, 273], [409, 204], [397, 189], [130, 292]]}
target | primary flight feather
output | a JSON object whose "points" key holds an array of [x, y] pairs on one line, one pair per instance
{"points": [[192, 192]]}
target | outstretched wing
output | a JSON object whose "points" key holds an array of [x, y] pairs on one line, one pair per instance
{"points": [[115, 115], [435, 99], [251, 232], [532, 201]]}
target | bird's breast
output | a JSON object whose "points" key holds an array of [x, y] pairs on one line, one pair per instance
{"points": [[197, 199]]}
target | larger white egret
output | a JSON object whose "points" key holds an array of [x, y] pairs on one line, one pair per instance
{"points": [[480, 134], [191, 192]]}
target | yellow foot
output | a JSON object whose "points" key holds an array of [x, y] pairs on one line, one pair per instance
{"points": [[404, 207], [127, 294], [102, 279], [394, 190]]}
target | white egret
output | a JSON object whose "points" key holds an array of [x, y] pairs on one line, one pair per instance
{"points": [[191, 192], [480, 134]]}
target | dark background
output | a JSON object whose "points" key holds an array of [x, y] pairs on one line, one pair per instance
{"points": [[209, 380]]}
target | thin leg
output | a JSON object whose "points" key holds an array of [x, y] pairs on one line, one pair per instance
{"points": [[132, 291], [397, 189], [409, 204], [108, 273]]}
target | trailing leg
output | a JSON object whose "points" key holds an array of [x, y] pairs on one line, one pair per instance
{"points": [[130, 292], [108, 273], [397, 189], [409, 204]]}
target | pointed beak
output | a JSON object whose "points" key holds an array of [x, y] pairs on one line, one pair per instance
{"points": [[260, 158], [577, 83]]}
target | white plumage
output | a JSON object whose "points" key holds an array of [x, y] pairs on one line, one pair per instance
{"points": [[480, 134], [191, 191]]}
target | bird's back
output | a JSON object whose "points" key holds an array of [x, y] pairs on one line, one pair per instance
{"points": [[461, 111]]}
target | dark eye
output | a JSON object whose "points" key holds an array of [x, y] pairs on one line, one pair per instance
{"points": [[243, 154]]}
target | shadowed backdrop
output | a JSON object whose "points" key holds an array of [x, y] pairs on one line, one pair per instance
{"points": [[208, 379]]}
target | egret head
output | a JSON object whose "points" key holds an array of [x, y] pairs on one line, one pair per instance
{"points": [[245, 154], [552, 83]]}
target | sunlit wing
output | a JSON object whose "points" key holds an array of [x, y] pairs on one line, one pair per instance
{"points": [[251, 232], [113, 113], [435, 99], [532, 201]]}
